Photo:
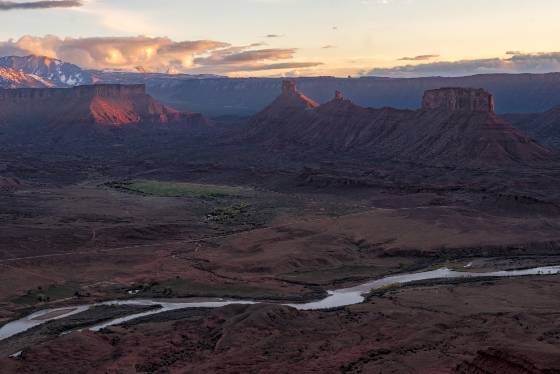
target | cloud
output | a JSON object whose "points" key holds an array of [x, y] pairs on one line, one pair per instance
{"points": [[419, 58], [278, 66], [243, 57], [274, 36], [515, 63], [159, 54], [12, 5]]}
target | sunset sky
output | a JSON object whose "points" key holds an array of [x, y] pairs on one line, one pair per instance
{"points": [[290, 37]]}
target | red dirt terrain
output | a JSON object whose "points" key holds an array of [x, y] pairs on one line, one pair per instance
{"points": [[305, 199], [506, 326], [10, 183]]}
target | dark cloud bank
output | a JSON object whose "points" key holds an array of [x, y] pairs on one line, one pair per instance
{"points": [[12, 5]]}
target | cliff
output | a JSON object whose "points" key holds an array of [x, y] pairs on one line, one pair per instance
{"points": [[111, 104], [454, 126], [89, 91], [87, 112], [458, 99]]}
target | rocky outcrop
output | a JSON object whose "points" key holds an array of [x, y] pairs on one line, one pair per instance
{"points": [[110, 104], [338, 95], [86, 112], [454, 127], [272, 120], [87, 92], [459, 99], [291, 98], [289, 87]]}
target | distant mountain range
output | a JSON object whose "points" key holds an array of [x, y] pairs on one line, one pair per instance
{"points": [[525, 100], [514, 93], [545, 127], [10, 78], [219, 96], [22, 72], [54, 73]]}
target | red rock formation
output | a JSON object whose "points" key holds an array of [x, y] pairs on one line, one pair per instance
{"points": [[459, 99], [455, 126], [86, 114], [291, 102], [291, 98], [100, 104]]}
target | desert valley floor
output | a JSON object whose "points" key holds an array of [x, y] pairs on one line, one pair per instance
{"points": [[198, 231], [142, 202]]}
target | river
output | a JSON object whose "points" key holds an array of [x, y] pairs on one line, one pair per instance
{"points": [[335, 299]]}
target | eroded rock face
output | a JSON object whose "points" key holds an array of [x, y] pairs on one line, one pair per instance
{"points": [[102, 90], [459, 99], [456, 126], [106, 104], [86, 114], [289, 86]]}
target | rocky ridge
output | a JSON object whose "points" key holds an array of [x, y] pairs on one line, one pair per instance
{"points": [[454, 126]]}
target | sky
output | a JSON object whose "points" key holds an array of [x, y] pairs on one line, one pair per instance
{"points": [[393, 38]]}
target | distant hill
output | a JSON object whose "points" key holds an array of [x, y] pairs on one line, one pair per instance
{"points": [[545, 127], [56, 73], [519, 93]]}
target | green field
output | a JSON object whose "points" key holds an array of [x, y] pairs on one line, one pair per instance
{"points": [[180, 189], [46, 294]]}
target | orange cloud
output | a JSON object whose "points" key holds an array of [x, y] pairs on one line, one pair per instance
{"points": [[156, 54]]}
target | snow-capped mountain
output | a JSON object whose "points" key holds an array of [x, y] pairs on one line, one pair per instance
{"points": [[10, 78], [56, 72]]}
